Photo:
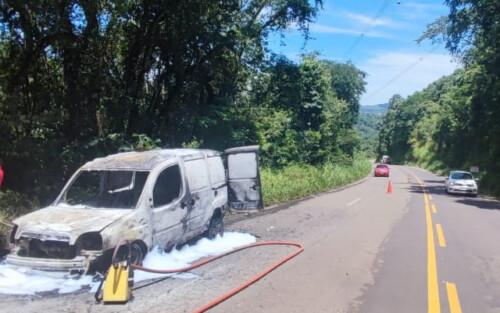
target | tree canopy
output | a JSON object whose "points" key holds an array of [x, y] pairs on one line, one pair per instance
{"points": [[81, 79]]}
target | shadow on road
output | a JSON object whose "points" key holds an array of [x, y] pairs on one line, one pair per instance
{"points": [[464, 199], [151, 282], [481, 203], [434, 181], [434, 190]]}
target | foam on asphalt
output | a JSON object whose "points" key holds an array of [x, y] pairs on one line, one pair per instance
{"points": [[26, 281]]}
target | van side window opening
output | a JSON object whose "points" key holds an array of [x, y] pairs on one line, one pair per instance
{"points": [[106, 189], [167, 187]]}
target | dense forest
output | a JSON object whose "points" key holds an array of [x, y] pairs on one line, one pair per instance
{"points": [[82, 79], [368, 125], [454, 123]]}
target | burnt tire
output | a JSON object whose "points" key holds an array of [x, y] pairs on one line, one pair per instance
{"points": [[137, 253], [216, 227], [103, 263]]}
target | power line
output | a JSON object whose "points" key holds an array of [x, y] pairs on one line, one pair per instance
{"points": [[400, 73], [358, 39]]}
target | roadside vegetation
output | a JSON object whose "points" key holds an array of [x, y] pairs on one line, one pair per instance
{"points": [[297, 181], [454, 123], [12, 204], [368, 125]]}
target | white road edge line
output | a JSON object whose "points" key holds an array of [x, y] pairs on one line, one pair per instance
{"points": [[430, 197], [353, 202]]}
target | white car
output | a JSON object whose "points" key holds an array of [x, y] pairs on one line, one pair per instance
{"points": [[461, 182]]}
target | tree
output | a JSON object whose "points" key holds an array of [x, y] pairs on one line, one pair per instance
{"points": [[348, 82], [81, 79]]}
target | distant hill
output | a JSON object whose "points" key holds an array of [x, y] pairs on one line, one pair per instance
{"points": [[367, 127], [378, 109]]}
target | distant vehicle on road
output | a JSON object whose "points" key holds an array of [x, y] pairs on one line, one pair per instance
{"points": [[461, 182], [381, 170], [154, 198], [386, 159]]}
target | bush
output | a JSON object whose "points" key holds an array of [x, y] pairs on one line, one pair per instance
{"points": [[299, 180], [12, 204], [4, 233]]}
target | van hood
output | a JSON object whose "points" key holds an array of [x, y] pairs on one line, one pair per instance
{"points": [[66, 223]]}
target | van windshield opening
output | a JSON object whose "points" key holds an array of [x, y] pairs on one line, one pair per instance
{"points": [[106, 189]]}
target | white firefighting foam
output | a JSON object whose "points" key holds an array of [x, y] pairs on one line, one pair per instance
{"points": [[26, 281]]}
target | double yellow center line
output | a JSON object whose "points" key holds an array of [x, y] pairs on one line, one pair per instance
{"points": [[433, 300], [433, 303]]}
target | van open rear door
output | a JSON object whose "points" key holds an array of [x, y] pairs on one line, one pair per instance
{"points": [[244, 188]]}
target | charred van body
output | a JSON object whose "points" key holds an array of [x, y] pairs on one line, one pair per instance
{"points": [[155, 198]]}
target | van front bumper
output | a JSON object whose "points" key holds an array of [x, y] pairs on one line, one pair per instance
{"points": [[79, 263]]}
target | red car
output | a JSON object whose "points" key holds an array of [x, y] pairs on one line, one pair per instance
{"points": [[382, 170]]}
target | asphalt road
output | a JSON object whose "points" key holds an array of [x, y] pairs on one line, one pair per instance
{"points": [[413, 250]]}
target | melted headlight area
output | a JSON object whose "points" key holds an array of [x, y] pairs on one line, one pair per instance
{"points": [[58, 247], [89, 241], [49, 249]]}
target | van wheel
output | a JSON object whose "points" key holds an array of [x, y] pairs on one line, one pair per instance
{"points": [[137, 254], [99, 265], [216, 227], [102, 263]]}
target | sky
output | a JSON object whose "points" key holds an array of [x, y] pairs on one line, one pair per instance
{"points": [[379, 37]]}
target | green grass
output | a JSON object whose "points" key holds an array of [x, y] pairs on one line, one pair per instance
{"points": [[297, 181]]}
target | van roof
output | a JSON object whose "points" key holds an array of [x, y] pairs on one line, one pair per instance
{"points": [[145, 160]]}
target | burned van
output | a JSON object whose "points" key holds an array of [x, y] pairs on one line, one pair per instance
{"points": [[155, 198]]}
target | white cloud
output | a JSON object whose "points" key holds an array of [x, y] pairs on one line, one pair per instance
{"points": [[422, 6], [369, 21], [421, 10], [325, 29], [390, 73]]}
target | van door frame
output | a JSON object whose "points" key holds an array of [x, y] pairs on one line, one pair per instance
{"points": [[255, 181], [174, 233], [200, 200]]}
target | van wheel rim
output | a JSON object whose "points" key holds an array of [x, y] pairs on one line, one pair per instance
{"points": [[136, 254]]}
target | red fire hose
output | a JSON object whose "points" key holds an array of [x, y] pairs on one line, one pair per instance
{"points": [[239, 288]]}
